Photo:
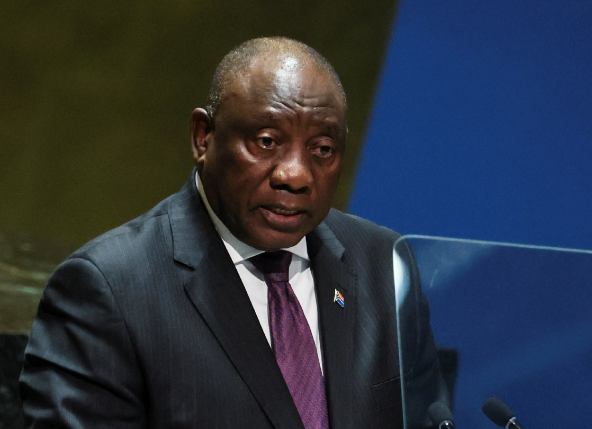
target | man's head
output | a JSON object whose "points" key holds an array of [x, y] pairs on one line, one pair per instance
{"points": [[270, 144]]}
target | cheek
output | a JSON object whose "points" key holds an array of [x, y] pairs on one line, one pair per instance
{"points": [[234, 166], [246, 185], [326, 182], [247, 178]]}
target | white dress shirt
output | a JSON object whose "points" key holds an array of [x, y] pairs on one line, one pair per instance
{"points": [[300, 276]]}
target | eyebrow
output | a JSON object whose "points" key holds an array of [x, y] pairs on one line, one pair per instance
{"points": [[274, 117], [267, 116], [330, 123]]}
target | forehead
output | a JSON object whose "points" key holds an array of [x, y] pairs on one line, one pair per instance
{"points": [[284, 81]]}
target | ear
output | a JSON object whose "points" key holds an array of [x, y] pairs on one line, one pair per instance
{"points": [[201, 129]]}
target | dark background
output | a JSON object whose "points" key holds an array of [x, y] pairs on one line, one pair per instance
{"points": [[96, 98]]}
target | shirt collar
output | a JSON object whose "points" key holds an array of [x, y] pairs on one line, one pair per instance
{"points": [[238, 250]]}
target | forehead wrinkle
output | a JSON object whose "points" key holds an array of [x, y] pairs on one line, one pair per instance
{"points": [[280, 84], [323, 121], [315, 105], [321, 112]]}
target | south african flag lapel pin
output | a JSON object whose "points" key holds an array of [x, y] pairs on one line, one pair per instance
{"points": [[338, 298]]}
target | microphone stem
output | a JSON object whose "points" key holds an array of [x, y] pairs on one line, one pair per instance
{"points": [[513, 424]]}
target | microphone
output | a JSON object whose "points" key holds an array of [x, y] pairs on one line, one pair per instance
{"points": [[500, 414], [441, 415]]}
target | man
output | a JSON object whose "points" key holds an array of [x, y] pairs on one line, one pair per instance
{"points": [[170, 321]]}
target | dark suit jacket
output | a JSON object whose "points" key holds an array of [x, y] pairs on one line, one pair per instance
{"points": [[149, 326]]}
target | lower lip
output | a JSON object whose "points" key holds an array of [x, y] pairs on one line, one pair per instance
{"points": [[282, 222]]}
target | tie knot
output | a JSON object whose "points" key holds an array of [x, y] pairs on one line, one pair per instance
{"points": [[274, 264]]}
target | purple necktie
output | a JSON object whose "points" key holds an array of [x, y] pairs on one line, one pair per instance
{"points": [[292, 341]]}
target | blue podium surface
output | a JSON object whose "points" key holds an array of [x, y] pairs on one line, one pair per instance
{"points": [[518, 321]]}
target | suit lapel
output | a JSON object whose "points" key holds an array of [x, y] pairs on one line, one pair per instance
{"points": [[336, 322], [225, 306], [216, 291]]}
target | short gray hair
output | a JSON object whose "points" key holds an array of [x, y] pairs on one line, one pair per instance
{"points": [[237, 60]]}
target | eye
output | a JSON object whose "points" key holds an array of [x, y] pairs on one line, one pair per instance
{"points": [[323, 150], [266, 142]]}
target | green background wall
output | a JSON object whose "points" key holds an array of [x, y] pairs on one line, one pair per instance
{"points": [[96, 97]]}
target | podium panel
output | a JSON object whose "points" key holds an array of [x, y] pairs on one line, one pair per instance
{"points": [[510, 321]]}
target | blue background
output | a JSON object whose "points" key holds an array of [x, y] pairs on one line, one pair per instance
{"points": [[482, 129], [482, 125]]}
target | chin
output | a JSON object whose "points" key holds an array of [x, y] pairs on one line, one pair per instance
{"points": [[270, 242]]}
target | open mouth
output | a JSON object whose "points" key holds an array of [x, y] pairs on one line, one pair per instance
{"points": [[283, 212], [282, 218]]}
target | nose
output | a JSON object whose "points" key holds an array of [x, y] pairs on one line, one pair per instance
{"points": [[293, 172]]}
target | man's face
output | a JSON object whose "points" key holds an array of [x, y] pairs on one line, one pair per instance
{"points": [[270, 163]]}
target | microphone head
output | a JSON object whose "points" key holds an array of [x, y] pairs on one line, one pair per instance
{"points": [[440, 413], [497, 412]]}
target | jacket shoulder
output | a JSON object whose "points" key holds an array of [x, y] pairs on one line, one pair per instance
{"points": [[125, 241]]}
